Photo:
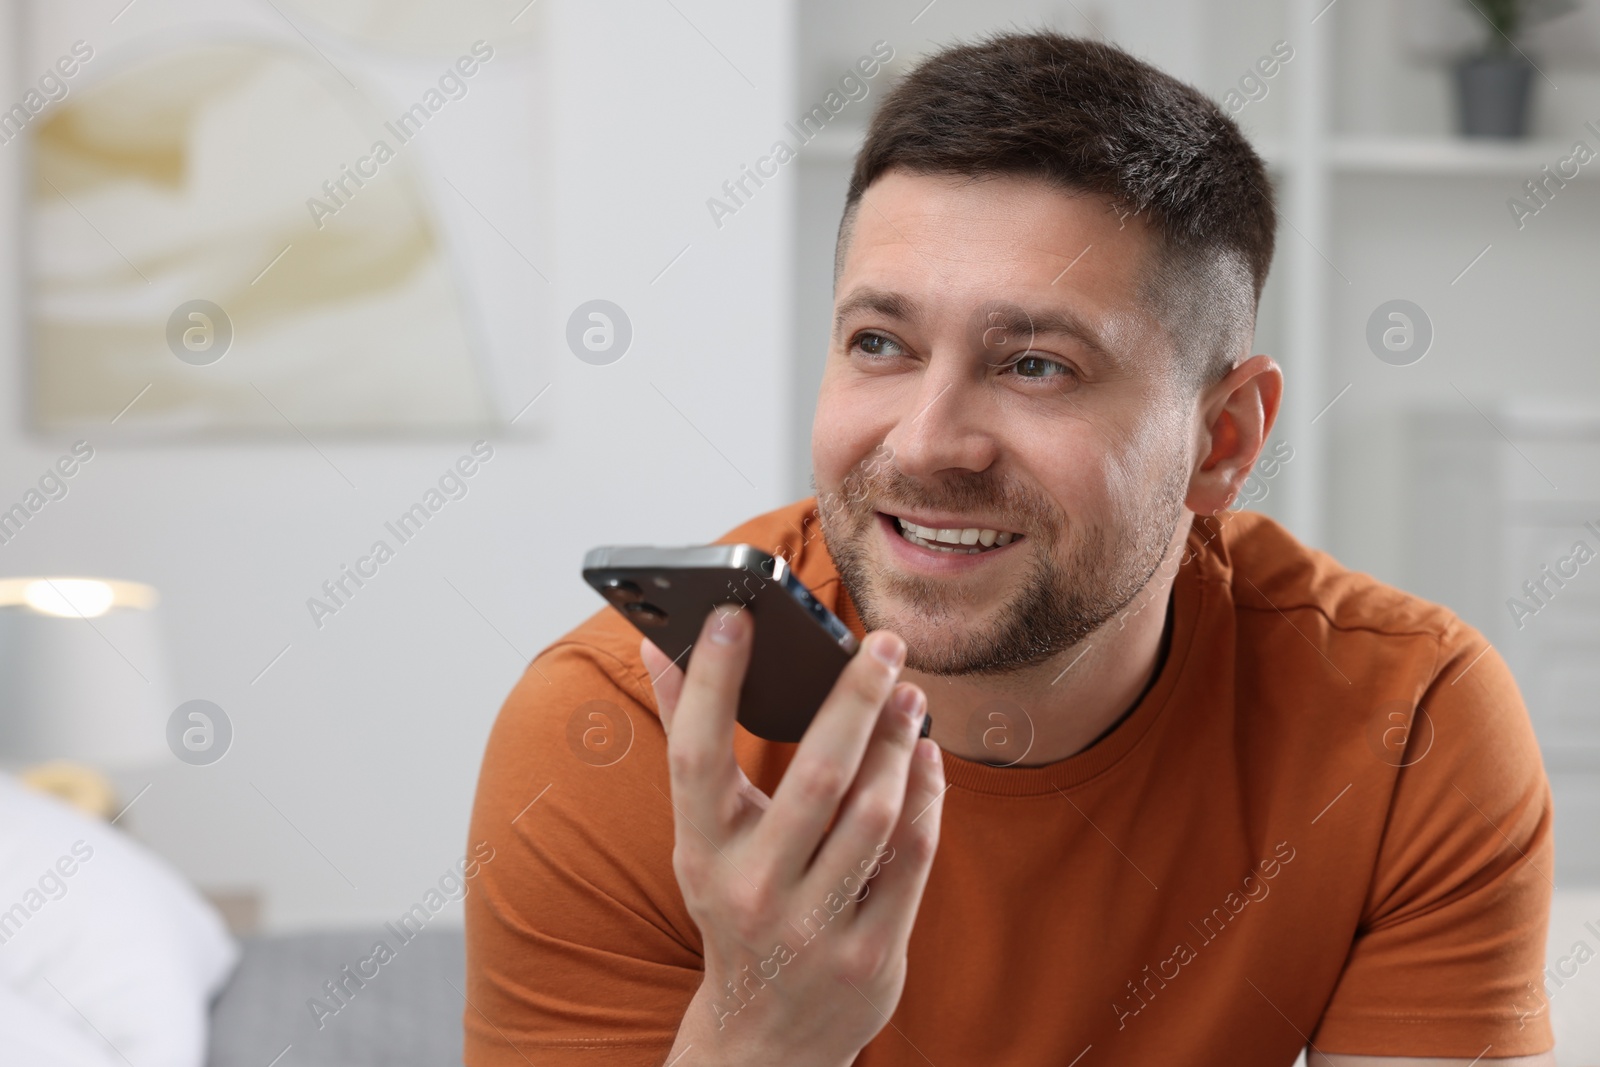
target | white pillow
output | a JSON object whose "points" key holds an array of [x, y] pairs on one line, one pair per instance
{"points": [[101, 938]]}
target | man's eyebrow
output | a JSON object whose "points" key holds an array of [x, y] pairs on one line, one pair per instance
{"points": [[889, 304], [1016, 321], [1019, 323]]}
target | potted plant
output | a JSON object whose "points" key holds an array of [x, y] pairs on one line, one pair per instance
{"points": [[1492, 84]]}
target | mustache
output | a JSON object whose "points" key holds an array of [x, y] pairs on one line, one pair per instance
{"points": [[887, 489]]}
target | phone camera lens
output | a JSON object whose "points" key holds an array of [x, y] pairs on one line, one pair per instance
{"points": [[645, 614], [621, 592]]}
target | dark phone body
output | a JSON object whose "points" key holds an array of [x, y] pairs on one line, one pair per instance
{"points": [[800, 646]]}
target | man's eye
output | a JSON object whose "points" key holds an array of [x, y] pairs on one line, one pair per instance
{"points": [[876, 344], [1038, 367]]}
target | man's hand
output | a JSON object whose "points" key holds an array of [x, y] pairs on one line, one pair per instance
{"points": [[804, 900]]}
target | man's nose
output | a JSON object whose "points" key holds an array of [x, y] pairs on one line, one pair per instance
{"points": [[948, 424]]}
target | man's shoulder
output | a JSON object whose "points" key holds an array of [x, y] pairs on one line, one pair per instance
{"points": [[1268, 569]]}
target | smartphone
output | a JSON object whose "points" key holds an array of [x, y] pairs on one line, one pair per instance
{"points": [[800, 646]]}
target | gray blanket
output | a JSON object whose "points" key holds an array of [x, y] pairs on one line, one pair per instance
{"points": [[278, 1010]]}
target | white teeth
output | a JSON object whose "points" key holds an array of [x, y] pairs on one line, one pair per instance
{"points": [[964, 539]]}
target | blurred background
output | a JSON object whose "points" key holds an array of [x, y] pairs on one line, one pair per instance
{"points": [[242, 345]]}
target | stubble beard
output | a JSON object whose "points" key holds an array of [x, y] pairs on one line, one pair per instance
{"points": [[1061, 599]]}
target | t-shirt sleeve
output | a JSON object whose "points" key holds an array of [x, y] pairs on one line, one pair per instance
{"points": [[1449, 955], [579, 948]]}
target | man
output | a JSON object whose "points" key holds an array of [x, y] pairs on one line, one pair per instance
{"points": [[1204, 795]]}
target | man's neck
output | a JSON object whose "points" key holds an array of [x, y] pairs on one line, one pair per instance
{"points": [[1062, 706]]}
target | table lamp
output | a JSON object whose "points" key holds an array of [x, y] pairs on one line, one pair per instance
{"points": [[83, 684]]}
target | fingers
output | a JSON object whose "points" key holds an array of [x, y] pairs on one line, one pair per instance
{"points": [[700, 744], [666, 678], [895, 894], [826, 763], [872, 808]]}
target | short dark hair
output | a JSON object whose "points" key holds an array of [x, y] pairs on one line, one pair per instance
{"points": [[1089, 117]]}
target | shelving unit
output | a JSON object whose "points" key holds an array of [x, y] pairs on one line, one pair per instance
{"points": [[1421, 156], [1444, 157]]}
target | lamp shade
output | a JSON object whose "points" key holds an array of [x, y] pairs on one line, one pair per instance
{"points": [[83, 672]]}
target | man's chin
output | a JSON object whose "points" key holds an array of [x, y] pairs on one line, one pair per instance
{"points": [[937, 642], [948, 623]]}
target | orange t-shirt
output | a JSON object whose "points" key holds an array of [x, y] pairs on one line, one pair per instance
{"points": [[1269, 849]]}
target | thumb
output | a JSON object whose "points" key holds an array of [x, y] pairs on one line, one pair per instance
{"points": [[665, 676]]}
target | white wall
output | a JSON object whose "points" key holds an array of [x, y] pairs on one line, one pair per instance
{"points": [[367, 734]]}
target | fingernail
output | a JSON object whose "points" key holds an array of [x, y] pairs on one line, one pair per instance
{"points": [[889, 649], [929, 751], [723, 627], [907, 702]]}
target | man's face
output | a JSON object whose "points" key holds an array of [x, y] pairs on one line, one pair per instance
{"points": [[992, 368]]}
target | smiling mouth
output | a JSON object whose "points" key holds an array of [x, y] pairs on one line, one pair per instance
{"points": [[969, 540]]}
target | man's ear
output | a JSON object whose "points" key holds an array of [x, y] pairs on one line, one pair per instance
{"points": [[1236, 415]]}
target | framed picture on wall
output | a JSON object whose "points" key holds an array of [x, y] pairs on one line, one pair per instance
{"points": [[265, 216]]}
